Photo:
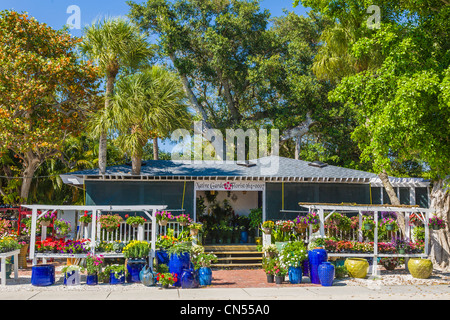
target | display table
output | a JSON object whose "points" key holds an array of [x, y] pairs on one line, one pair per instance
{"points": [[3, 257]]}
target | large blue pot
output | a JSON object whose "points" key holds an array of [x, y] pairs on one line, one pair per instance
{"points": [[92, 279], [134, 268], [43, 275], [295, 275], [205, 276], [305, 267], [162, 257], [244, 237], [177, 263], [189, 279], [326, 274], [316, 257], [113, 280]]}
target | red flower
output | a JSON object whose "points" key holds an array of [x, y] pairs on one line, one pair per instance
{"points": [[126, 216]]}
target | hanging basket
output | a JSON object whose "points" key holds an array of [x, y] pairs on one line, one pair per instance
{"points": [[194, 232]]}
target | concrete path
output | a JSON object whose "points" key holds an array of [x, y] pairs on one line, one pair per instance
{"points": [[397, 292]]}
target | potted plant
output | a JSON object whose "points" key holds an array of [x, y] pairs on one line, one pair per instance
{"points": [[312, 219], [62, 228], [163, 217], [136, 252], [300, 224], [195, 228], [268, 265], [116, 273], [267, 226], [255, 217], [368, 224], [183, 219], [400, 244], [110, 222], [388, 223], [282, 233], [390, 263], [94, 268], [135, 221], [293, 255], [85, 219], [436, 224], [179, 258], [270, 250], [202, 262], [72, 274], [279, 270], [167, 279]]}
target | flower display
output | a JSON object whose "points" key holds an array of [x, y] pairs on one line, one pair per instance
{"points": [[183, 219], [312, 218], [436, 223], [136, 249], [135, 220], [166, 279], [110, 221], [94, 263], [163, 216], [9, 243], [85, 218], [62, 227]]}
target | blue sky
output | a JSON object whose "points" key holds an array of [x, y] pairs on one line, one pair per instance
{"points": [[54, 12]]}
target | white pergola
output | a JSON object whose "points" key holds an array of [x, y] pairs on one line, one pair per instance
{"points": [[325, 210], [148, 210]]}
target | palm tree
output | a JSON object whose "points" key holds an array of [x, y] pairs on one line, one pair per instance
{"points": [[113, 44], [146, 106]]}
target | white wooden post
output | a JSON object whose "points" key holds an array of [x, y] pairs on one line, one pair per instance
{"points": [[321, 219], [93, 231], [375, 245], [360, 233], [140, 233], [33, 235], [43, 237], [427, 232]]}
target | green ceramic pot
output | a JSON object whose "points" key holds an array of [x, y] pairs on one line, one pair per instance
{"points": [[420, 268], [357, 267]]}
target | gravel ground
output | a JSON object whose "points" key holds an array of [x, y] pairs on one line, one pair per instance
{"points": [[241, 278]]}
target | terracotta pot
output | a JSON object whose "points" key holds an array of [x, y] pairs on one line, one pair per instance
{"points": [[45, 223], [420, 268], [357, 267]]}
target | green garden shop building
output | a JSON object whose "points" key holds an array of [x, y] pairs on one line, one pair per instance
{"points": [[274, 184]]}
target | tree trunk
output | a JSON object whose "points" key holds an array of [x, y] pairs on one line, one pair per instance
{"points": [[103, 142], [440, 239], [155, 149], [31, 163], [136, 162], [394, 199]]}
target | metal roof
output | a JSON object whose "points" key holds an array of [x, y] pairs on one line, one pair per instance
{"points": [[271, 168]]}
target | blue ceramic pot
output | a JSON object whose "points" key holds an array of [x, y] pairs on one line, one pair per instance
{"points": [[92, 279], [305, 267], [43, 275], [189, 279], [134, 267], [326, 274], [244, 237], [316, 257], [162, 257], [295, 275], [205, 276], [177, 263], [113, 280]]}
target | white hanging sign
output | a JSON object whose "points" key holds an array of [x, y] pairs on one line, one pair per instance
{"points": [[229, 186]]}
